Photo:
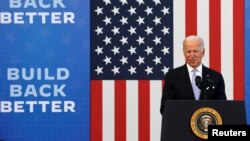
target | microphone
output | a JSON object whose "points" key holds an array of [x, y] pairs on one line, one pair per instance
{"points": [[198, 82], [200, 85]]}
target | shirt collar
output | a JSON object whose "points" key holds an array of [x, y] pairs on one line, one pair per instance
{"points": [[199, 68]]}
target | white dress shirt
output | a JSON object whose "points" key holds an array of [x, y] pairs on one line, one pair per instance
{"points": [[198, 72]]}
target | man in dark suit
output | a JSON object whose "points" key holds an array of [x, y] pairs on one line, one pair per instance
{"points": [[181, 83]]}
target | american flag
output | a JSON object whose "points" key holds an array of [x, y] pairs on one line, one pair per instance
{"points": [[135, 42]]}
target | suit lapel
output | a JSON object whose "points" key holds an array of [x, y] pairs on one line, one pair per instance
{"points": [[188, 88], [205, 74], [205, 71]]}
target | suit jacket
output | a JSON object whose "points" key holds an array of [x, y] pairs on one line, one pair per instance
{"points": [[178, 86]]}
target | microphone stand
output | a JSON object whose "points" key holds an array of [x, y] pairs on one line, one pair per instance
{"points": [[203, 93]]}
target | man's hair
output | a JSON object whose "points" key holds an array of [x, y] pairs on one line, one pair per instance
{"points": [[192, 38]]}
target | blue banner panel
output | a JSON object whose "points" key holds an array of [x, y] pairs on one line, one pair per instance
{"points": [[44, 70], [247, 58]]}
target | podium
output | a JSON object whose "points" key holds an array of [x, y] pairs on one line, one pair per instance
{"points": [[179, 114]]}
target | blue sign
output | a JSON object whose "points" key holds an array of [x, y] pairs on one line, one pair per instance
{"points": [[44, 70]]}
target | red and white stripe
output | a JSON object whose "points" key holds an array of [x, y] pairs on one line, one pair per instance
{"points": [[128, 110], [221, 24], [125, 110]]}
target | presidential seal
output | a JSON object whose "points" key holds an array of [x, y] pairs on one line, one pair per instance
{"points": [[203, 117]]}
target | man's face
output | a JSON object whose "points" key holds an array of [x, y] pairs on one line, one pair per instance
{"points": [[193, 53]]}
